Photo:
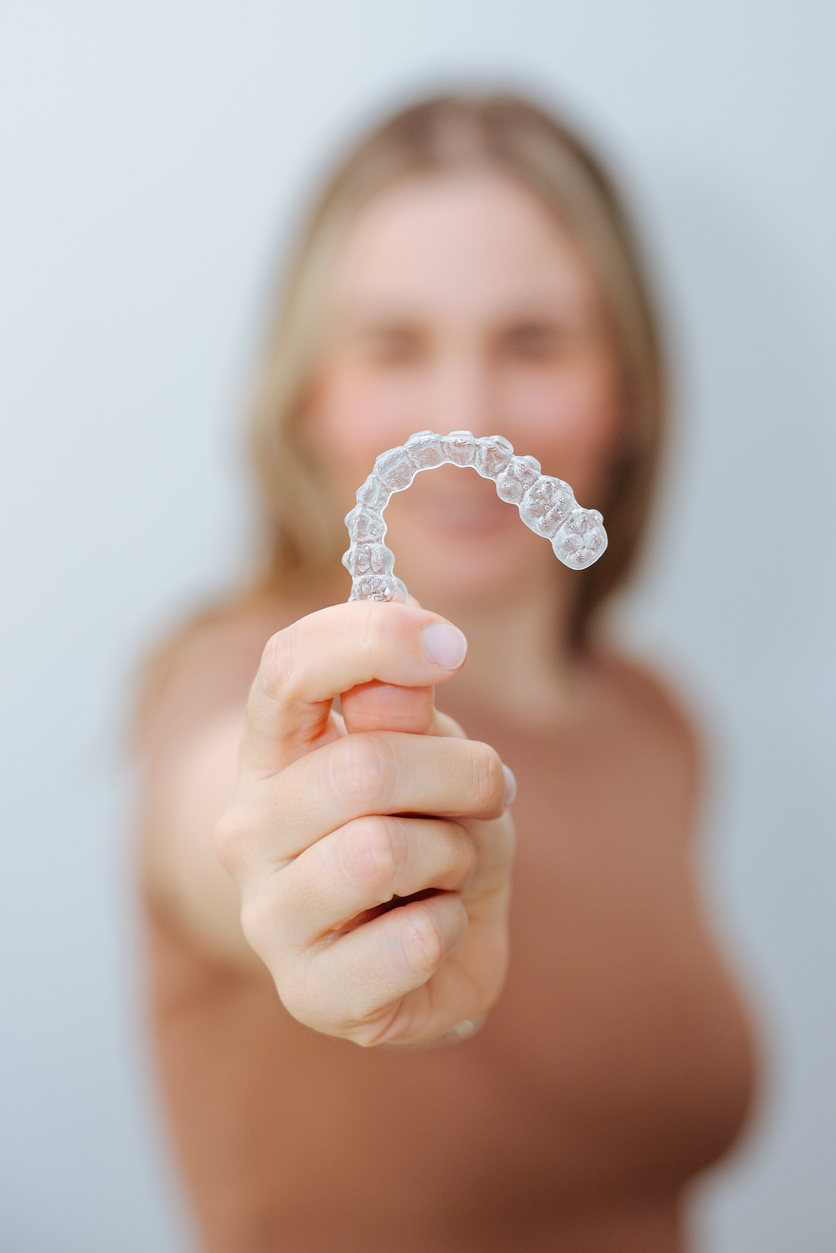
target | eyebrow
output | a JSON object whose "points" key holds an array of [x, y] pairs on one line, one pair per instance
{"points": [[383, 320]]}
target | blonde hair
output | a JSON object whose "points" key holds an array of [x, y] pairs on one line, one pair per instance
{"points": [[303, 533]]}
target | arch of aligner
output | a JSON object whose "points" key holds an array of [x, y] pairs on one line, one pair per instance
{"points": [[547, 505]]}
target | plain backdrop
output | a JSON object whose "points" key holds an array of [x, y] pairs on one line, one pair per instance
{"points": [[154, 156]]}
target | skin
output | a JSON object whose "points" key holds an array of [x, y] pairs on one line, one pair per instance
{"points": [[314, 876], [460, 302]]}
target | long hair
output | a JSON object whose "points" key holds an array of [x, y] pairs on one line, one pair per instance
{"points": [[303, 534]]}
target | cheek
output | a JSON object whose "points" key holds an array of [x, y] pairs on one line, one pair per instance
{"points": [[568, 418], [353, 416]]}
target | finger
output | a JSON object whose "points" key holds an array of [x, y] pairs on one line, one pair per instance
{"points": [[379, 772], [349, 986], [364, 865], [447, 727], [305, 666], [494, 844], [464, 986], [380, 706]]}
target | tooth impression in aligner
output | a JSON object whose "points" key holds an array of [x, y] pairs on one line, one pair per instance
{"points": [[547, 505]]}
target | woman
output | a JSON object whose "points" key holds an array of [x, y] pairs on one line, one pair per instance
{"points": [[468, 267]]}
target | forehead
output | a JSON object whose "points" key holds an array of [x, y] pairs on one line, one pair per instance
{"points": [[461, 244]]}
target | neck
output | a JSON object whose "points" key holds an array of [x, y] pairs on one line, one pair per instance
{"points": [[518, 659]]}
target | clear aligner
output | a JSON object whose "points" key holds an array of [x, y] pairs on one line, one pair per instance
{"points": [[547, 505]]}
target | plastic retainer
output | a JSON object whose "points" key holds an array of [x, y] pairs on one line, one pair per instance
{"points": [[547, 505]]}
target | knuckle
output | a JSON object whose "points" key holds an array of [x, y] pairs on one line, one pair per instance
{"points": [[423, 944], [256, 923], [488, 778], [469, 856], [277, 660], [372, 854], [358, 767], [230, 839]]}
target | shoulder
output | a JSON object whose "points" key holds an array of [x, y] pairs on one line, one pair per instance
{"points": [[655, 711], [206, 667]]}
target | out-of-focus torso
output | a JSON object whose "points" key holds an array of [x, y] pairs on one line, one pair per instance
{"points": [[615, 1065]]}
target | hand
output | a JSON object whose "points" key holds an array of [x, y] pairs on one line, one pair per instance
{"points": [[373, 851]]}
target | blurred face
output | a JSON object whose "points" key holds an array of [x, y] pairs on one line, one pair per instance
{"points": [[460, 303]]}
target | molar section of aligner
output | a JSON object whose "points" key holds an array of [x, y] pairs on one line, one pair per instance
{"points": [[395, 469], [516, 478], [384, 587], [546, 505], [365, 526], [581, 539], [493, 453], [364, 559], [424, 450], [459, 447]]}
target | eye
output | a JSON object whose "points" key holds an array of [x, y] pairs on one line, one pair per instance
{"points": [[533, 341], [393, 345]]}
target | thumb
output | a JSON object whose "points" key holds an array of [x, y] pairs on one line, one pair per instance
{"points": [[361, 645], [378, 706]]}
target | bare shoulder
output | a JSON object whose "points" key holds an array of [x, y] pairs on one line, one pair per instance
{"points": [[655, 711], [207, 668]]}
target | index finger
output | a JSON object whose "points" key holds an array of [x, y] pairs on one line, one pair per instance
{"points": [[309, 663]]}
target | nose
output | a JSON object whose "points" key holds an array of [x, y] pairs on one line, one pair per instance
{"points": [[461, 393]]}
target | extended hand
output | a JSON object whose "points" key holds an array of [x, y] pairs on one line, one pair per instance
{"points": [[372, 852]]}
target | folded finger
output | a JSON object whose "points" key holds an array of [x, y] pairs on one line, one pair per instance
{"points": [[337, 650], [364, 865], [445, 726], [353, 986], [353, 777]]}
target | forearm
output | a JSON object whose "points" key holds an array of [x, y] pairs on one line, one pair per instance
{"points": [[186, 787]]}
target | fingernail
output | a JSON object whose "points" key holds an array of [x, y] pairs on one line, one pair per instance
{"points": [[510, 786], [444, 645]]}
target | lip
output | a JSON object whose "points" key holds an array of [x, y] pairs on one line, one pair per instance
{"points": [[455, 518]]}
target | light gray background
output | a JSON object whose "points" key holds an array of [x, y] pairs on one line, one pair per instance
{"points": [[153, 155]]}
